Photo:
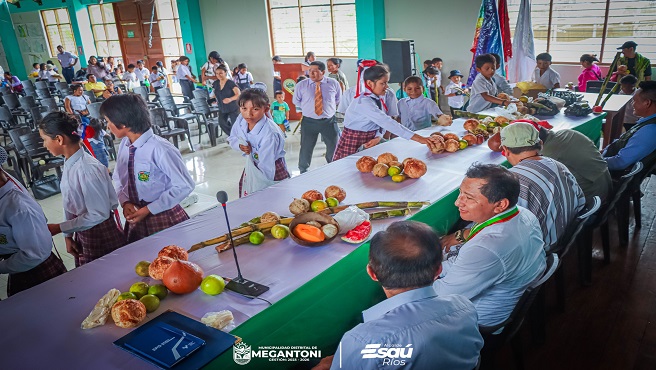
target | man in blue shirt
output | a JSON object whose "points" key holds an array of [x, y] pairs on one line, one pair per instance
{"points": [[413, 328], [637, 143]]}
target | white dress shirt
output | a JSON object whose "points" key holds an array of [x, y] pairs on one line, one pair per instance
{"points": [[390, 100], [454, 101], [165, 181], [494, 268], [23, 230], [479, 86], [142, 73], [331, 93], [548, 79], [267, 143], [435, 332], [182, 72], [416, 114], [78, 103], [87, 193], [364, 115]]}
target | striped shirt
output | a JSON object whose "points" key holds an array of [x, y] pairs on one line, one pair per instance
{"points": [[551, 193]]}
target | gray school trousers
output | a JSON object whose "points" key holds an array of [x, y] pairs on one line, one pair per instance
{"points": [[310, 130]]}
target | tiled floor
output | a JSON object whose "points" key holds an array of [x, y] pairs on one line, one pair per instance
{"points": [[212, 168]]}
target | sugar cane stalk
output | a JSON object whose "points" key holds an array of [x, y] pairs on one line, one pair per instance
{"points": [[399, 212], [286, 221], [244, 239], [378, 215], [240, 231], [612, 91], [610, 72], [367, 205]]}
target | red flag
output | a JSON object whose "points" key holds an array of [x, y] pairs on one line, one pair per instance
{"points": [[504, 21]]}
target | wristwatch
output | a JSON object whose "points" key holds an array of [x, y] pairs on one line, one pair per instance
{"points": [[460, 237]]}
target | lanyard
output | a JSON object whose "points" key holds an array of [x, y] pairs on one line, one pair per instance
{"points": [[494, 220]]}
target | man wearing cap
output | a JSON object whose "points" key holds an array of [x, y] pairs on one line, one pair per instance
{"points": [[454, 91], [67, 60], [548, 189], [638, 143], [25, 242], [636, 64], [581, 157]]}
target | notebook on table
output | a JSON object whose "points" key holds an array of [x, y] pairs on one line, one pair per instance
{"points": [[172, 340]]}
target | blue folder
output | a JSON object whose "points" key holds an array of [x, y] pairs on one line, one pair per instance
{"points": [[172, 340]]}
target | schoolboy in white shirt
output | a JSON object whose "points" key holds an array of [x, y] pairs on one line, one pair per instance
{"points": [[543, 74], [454, 92], [483, 90]]}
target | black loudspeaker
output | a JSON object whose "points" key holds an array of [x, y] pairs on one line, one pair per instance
{"points": [[398, 54]]}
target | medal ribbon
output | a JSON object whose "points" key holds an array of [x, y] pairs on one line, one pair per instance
{"points": [[494, 220]]}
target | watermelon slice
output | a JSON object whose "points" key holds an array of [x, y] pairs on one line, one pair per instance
{"points": [[358, 234]]}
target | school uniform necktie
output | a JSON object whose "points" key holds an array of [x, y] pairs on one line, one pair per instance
{"points": [[378, 104], [318, 100], [132, 184]]}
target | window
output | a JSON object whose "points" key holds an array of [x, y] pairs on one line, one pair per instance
{"points": [[105, 33], [169, 29], [57, 25], [569, 28], [326, 27]]}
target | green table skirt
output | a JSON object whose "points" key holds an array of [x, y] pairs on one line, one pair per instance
{"points": [[319, 312]]}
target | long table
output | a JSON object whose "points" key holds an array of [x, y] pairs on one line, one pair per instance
{"points": [[317, 293]]}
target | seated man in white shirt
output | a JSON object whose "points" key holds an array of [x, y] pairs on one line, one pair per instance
{"points": [[427, 330], [502, 254]]}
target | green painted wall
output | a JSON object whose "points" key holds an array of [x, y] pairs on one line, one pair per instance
{"points": [[371, 27], [192, 32], [10, 43]]}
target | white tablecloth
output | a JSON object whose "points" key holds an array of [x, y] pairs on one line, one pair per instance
{"points": [[41, 326]]}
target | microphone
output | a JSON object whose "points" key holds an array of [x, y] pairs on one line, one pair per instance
{"points": [[239, 284]]}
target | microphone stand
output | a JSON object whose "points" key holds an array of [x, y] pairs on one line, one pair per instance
{"points": [[239, 284]]}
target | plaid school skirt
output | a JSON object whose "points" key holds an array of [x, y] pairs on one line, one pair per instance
{"points": [[281, 173], [98, 241], [45, 271], [350, 142], [154, 223]]}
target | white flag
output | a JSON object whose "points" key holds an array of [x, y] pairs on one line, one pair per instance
{"points": [[522, 64]]}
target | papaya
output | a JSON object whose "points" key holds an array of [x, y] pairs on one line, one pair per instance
{"points": [[309, 233]]}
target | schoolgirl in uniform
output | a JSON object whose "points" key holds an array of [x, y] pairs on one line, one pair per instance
{"points": [[90, 230], [309, 58], [150, 177], [367, 117], [243, 78], [259, 138], [25, 242], [416, 111]]}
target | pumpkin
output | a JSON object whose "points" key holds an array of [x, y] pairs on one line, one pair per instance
{"points": [[183, 277], [174, 252], [309, 233]]}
